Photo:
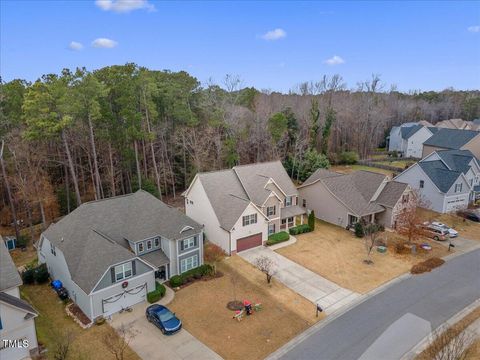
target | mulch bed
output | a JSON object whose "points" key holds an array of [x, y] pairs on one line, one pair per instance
{"points": [[427, 265], [78, 315], [192, 280]]}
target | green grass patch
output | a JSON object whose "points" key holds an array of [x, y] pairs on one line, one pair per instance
{"points": [[278, 238]]}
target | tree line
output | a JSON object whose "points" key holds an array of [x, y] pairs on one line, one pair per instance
{"points": [[84, 135]]}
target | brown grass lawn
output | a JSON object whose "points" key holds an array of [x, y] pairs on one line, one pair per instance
{"points": [[347, 169], [474, 351], [338, 255], [202, 308], [53, 323], [466, 228], [21, 258]]}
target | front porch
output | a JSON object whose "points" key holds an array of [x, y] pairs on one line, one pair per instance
{"points": [[290, 215], [161, 262]]}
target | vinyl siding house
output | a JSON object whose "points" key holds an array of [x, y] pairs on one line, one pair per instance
{"points": [[242, 206], [445, 180], [16, 315], [345, 199], [109, 253], [408, 139], [453, 139]]}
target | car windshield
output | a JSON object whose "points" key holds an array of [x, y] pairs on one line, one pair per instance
{"points": [[165, 315]]}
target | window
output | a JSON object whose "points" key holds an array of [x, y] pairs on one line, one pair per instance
{"points": [[352, 219], [304, 203], [123, 271], [422, 184], [290, 220], [52, 250], [249, 219], [271, 210], [156, 242], [1, 326], [404, 199], [149, 244], [271, 229], [188, 263], [284, 221], [188, 243], [140, 247], [288, 201], [458, 187]]}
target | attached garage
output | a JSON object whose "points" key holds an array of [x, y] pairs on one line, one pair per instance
{"points": [[454, 203], [127, 298], [249, 242]]}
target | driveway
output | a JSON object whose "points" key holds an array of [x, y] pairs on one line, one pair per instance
{"points": [[310, 285], [150, 343]]}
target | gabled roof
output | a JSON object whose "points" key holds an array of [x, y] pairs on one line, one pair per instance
{"points": [[433, 129], [320, 174], [18, 303], [451, 138], [440, 174], [407, 132], [457, 160], [9, 276], [95, 235], [391, 193]]}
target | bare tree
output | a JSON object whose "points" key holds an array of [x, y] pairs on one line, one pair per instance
{"points": [[63, 344], [447, 343], [213, 254], [371, 233], [267, 266], [117, 342]]}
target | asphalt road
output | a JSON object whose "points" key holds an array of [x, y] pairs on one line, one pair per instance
{"points": [[390, 323]]}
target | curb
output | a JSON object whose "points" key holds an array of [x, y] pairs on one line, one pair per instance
{"points": [[422, 345]]}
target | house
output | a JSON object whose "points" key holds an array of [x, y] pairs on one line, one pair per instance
{"points": [[445, 180], [345, 199], [18, 338], [458, 124], [242, 206], [408, 140], [108, 253], [453, 139]]}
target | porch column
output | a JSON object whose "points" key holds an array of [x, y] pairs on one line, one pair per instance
{"points": [[301, 219]]}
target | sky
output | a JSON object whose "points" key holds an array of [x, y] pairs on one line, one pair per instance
{"points": [[269, 45]]}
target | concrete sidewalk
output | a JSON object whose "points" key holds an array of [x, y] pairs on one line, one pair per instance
{"points": [[310, 285]]}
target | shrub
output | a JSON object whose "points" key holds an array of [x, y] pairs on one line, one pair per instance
{"points": [[28, 277], [348, 157], [40, 274], [22, 242], [176, 280], [278, 238], [157, 294], [311, 220], [300, 229], [359, 232]]}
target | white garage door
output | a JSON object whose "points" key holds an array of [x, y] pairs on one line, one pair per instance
{"points": [[456, 203], [123, 300]]}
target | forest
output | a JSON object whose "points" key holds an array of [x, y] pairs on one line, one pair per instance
{"points": [[85, 135]]}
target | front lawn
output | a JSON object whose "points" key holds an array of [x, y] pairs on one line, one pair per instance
{"points": [[202, 308], [53, 324], [338, 255]]}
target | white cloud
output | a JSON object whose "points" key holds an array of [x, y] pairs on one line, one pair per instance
{"points": [[124, 6], [474, 29], [274, 34], [104, 43], [335, 60], [76, 46]]}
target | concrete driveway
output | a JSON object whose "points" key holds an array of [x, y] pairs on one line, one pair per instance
{"points": [[310, 285], [150, 343]]}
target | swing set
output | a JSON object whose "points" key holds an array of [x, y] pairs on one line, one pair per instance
{"points": [[248, 309]]}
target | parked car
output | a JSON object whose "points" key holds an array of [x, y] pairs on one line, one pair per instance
{"points": [[163, 318], [436, 233], [453, 233], [473, 215]]}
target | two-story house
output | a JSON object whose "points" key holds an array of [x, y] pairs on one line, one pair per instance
{"points": [[108, 253], [408, 139], [18, 338], [242, 206], [453, 139]]}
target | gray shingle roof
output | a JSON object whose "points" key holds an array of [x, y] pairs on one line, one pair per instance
{"points": [[407, 132], [440, 174], [433, 129], [391, 193], [458, 160], [94, 236], [156, 258], [451, 138], [9, 276], [320, 174], [290, 211], [18, 303]]}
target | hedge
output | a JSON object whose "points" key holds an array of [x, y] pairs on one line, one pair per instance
{"points": [[278, 238], [300, 229], [37, 275], [157, 294], [197, 273]]}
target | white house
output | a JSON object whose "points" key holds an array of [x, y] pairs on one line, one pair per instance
{"points": [[241, 207], [18, 338], [408, 139]]}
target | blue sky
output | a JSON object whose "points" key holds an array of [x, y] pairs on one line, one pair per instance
{"points": [[270, 45]]}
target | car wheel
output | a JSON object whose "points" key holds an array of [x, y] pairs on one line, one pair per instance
{"points": [[435, 238], [163, 331], [149, 319]]}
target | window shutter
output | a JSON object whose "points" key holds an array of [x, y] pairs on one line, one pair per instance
{"points": [[181, 245], [112, 273], [134, 268], [195, 240]]}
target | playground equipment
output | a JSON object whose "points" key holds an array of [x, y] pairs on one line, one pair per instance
{"points": [[248, 309]]}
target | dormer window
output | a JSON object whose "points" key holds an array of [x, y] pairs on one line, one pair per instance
{"points": [[288, 201], [156, 242], [149, 244], [140, 247]]}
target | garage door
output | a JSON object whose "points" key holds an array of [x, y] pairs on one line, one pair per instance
{"points": [[456, 203], [130, 297], [249, 242]]}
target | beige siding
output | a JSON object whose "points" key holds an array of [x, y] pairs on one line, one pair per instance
{"points": [[428, 149], [239, 231], [474, 146]]}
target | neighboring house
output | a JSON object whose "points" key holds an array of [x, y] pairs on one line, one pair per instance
{"points": [[107, 253], [345, 199], [408, 140], [458, 124], [242, 206], [16, 315], [443, 179], [453, 139]]}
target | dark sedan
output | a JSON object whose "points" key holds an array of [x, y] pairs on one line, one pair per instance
{"points": [[163, 318], [472, 215]]}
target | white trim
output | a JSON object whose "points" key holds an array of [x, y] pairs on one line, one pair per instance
{"points": [[185, 193], [152, 272], [273, 181], [440, 158], [241, 216], [272, 193], [186, 228], [411, 167]]}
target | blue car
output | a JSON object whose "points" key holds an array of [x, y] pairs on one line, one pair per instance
{"points": [[163, 318]]}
